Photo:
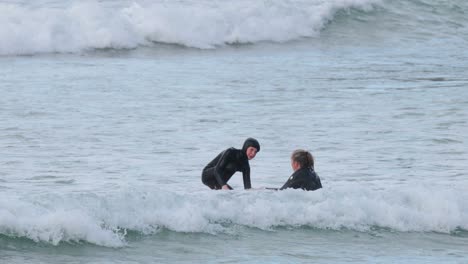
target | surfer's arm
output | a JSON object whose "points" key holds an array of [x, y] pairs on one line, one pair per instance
{"points": [[219, 169], [246, 177], [292, 182]]}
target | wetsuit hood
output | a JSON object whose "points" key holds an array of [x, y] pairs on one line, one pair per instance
{"points": [[251, 142]]}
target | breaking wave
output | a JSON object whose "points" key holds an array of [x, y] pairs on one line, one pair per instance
{"points": [[105, 219], [92, 25]]}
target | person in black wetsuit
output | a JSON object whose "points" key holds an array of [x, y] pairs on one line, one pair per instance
{"points": [[304, 176], [218, 172]]}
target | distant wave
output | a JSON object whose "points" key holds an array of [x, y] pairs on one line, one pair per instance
{"points": [[78, 27], [105, 219]]}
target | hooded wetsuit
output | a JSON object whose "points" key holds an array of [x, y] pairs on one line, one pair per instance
{"points": [[218, 172], [305, 179]]}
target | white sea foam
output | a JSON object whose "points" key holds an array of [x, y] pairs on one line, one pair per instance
{"points": [[204, 24], [104, 220], [53, 225]]}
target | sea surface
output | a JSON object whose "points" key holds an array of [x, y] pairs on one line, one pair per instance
{"points": [[109, 110]]}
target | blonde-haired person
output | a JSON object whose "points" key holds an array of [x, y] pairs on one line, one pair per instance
{"points": [[304, 176]]}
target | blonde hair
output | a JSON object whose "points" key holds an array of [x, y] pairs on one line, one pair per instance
{"points": [[303, 157]]}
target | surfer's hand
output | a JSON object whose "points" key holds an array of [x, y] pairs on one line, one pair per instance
{"points": [[225, 187]]}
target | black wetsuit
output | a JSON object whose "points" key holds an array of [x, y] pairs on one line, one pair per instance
{"points": [[305, 179], [218, 172]]}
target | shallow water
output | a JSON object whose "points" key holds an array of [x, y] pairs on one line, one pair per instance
{"points": [[102, 147]]}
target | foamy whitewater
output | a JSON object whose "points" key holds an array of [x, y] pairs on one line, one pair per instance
{"points": [[104, 220], [78, 26], [109, 110]]}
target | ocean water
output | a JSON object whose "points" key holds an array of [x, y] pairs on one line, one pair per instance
{"points": [[109, 110]]}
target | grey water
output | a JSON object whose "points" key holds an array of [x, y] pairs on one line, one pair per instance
{"points": [[105, 128]]}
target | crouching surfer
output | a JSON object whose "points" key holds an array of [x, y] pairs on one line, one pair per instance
{"points": [[218, 172]]}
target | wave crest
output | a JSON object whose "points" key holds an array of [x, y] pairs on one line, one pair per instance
{"points": [[91, 25], [104, 220]]}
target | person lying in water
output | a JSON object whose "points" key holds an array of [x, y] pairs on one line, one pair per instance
{"points": [[304, 176], [218, 172]]}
